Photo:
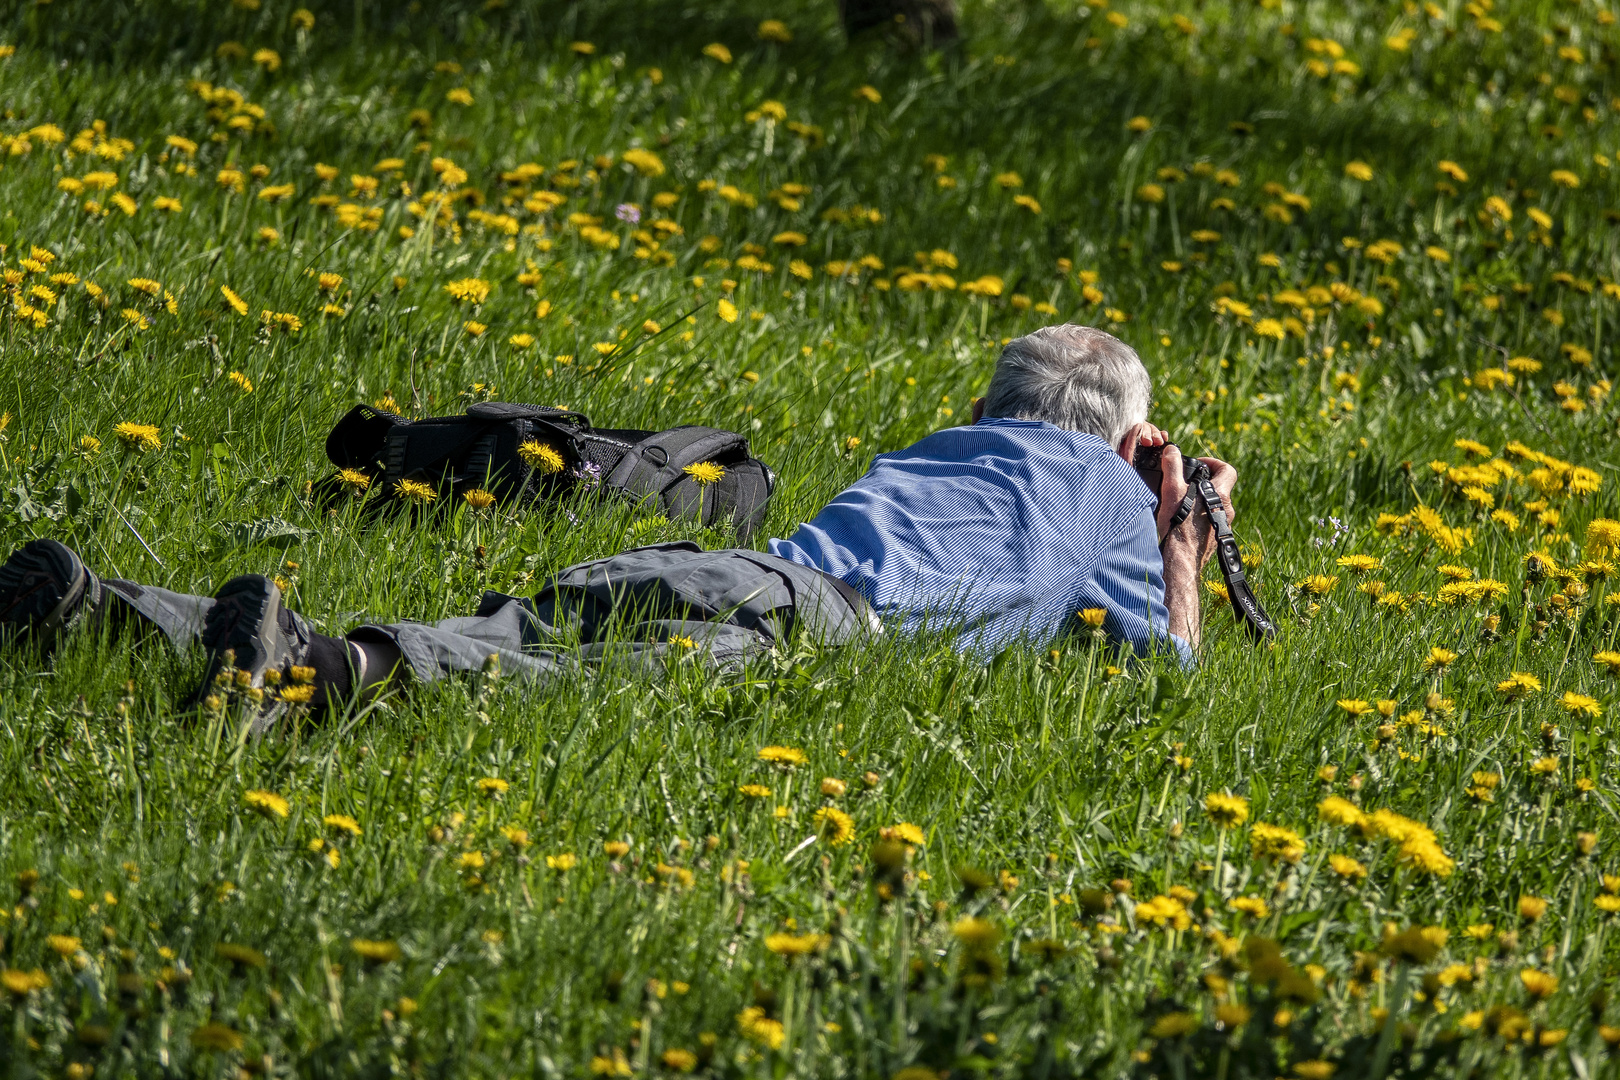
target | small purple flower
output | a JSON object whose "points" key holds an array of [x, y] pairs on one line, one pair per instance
{"points": [[628, 212]]}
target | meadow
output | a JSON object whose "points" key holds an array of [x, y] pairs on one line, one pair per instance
{"points": [[1371, 256]]}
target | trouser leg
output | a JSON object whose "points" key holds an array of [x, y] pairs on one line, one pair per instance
{"points": [[503, 628], [180, 616], [751, 591]]}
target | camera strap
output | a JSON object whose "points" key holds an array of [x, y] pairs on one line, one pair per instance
{"points": [[1245, 605]]}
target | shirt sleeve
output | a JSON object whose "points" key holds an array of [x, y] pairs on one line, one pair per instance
{"points": [[1129, 584]]}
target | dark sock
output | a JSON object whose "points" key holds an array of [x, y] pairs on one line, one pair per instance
{"points": [[381, 658], [334, 674]]}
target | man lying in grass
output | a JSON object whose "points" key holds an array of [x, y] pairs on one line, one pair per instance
{"points": [[998, 532]]}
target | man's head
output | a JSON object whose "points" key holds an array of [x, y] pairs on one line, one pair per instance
{"points": [[1073, 377]]}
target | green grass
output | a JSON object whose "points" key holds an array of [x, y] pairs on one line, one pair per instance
{"points": [[997, 945]]}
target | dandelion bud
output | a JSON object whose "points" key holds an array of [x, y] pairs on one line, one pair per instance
{"points": [[1176, 830], [711, 842], [228, 658], [1507, 942], [1549, 734], [1355, 782], [1386, 732], [1586, 843], [833, 788], [492, 664], [1122, 886], [243, 678], [1327, 773], [255, 694], [871, 779], [272, 677], [213, 702]]}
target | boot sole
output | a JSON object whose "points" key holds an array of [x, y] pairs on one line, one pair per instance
{"points": [[244, 620], [41, 585]]}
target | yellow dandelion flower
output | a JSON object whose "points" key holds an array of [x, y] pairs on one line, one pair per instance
{"points": [[376, 952], [1426, 856], [1347, 868], [1538, 984], [267, 803], [705, 472], [342, 823], [1438, 659], [63, 944], [415, 491], [785, 756], [1226, 810], [1342, 812], [23, 983], [139, 438], [538, 455], [791, 945], [1276, 842], [1576, 704], [907, 833], [834, 826], [1517, 685]]}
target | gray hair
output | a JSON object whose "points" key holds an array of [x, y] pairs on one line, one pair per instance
{"points": [[1074, 377]]}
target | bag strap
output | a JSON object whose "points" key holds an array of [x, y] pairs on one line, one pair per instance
{"points": [[1245, 605], [511, 410], [656, 463]]}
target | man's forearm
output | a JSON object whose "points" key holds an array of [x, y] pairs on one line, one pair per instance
{"points": [[1181, 581]]}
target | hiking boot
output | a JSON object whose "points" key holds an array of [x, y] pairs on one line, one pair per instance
{"points": [[254, 644], [43, 587]]}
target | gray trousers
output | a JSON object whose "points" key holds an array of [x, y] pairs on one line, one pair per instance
{"points": [[637, 608]]}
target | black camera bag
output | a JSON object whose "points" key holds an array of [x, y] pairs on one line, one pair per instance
{"points": [[492, 447]]}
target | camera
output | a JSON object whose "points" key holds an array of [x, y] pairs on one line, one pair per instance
{"points": [[1149, 465]]}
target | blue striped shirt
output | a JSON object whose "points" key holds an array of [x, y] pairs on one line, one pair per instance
{"points": [[999, 532]]}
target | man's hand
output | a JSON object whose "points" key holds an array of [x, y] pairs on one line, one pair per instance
{"points": [[1195, 532], [1143, 434]]}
